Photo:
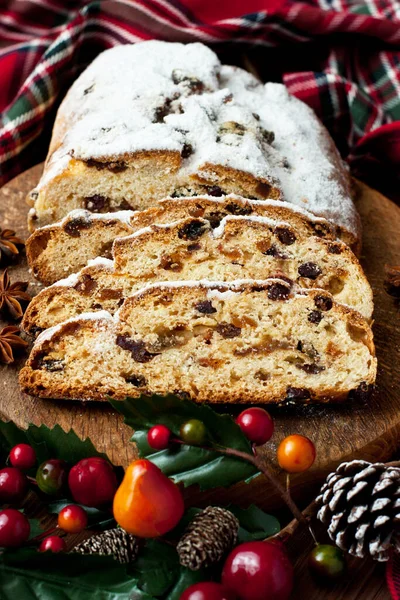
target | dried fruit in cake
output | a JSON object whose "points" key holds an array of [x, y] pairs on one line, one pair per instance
{"points": [[160, 342]]}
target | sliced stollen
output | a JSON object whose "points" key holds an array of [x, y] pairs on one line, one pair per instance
{"points": [[55, 251], [158, 119], [255, 342], [58, 250], [241, 247]]}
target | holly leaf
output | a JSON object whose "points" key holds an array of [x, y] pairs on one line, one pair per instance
{"points": [[97, 518], [47, 443], [28, 574], [188, 464], [158, 572], [255, 524]]}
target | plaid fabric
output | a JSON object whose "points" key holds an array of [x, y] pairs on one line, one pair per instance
{"points": [[352, 79]]}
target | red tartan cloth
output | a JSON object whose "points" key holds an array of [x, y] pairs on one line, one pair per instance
{"points": [[351, 77]]}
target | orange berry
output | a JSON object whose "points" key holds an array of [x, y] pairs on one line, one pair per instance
{"points": [[296, 453], [72, 518]]}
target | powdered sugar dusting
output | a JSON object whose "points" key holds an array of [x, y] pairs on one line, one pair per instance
{"points": [[219, 231], [166, 96]]}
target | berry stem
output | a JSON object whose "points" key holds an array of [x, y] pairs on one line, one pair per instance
{"points": [[39, 537], [31, 479], [261, 466]]}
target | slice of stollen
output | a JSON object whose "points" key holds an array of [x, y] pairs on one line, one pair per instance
{"points": [[258, 342]]}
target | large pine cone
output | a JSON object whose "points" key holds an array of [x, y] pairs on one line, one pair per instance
{"points": [[360, 504], [211, 534], [114, 542]]}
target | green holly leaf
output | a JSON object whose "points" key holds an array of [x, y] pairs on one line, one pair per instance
{"points": [[30, 575], [255, 524], [97, 518], [47, 443], [188, 464], [158, 572]]}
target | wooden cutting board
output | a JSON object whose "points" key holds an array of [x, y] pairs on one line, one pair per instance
{"points": [[339, 432]]}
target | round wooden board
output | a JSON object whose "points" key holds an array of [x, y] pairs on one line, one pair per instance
{"points": [[339, 432]]}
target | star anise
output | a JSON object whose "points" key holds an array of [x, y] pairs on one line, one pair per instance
{"points": [[392, 281], [9, 243], [11, 296], [9, 341]]}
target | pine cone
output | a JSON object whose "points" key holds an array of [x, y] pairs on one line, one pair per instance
{"points": [[114, 542], [360, 504], [211, 534]]}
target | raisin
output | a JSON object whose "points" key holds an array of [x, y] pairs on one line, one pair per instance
{"points": [[74, 226], [50, 364], [193, 247], [274, 251], [335, 248], [256, 116], [214, 190], [263, 189], [320, 229], [228, 330], [187, 150], [137, 349], [97, 203], [195, 85], [215, 218], [236, 209], [293, 393], [124, 205], [205, 307], [268, 136], [86, 285], [136, 380], [278, 291], [285, 235], [310, 270], [310, 369], [110, 294], [162, 111], [315, 316], [192, 230], [323, 302], [113, 166]]}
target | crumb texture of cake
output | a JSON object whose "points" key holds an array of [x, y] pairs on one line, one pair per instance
{"points": [[157, 119], [251, 343], [240, 248], [56, 251]]}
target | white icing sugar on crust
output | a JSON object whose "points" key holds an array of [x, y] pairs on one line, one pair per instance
{"points": [[219, 231], [160, 96], [101, 315], [313, 176]]}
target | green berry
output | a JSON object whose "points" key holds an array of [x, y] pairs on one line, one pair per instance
{"points": [[327, 563], [51, 476], [193, 432]]}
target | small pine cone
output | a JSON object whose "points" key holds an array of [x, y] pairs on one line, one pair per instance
{"points": [[211, 534], [114, 542], [360, 504]]}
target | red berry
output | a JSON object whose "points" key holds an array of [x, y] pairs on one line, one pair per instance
{"points": [[207, 590], [258, 571], [13, 485], [23, 456], [14, 528], [159, 437], [92, 482], [296, 453], [256, 424], [72, 518], [54, 543]]}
